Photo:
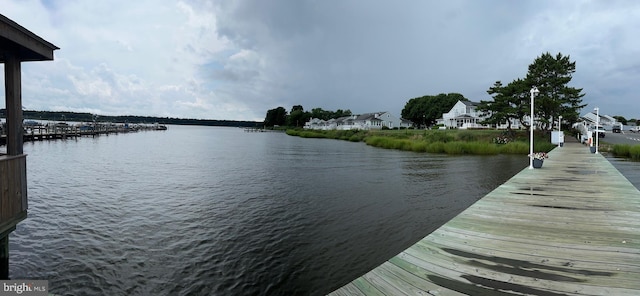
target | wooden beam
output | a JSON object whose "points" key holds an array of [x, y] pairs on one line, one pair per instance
{"points": [[13, 97], [29, 46]]}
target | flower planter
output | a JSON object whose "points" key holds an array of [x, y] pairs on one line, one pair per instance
{"points": [[537, 163], [593, 149]]}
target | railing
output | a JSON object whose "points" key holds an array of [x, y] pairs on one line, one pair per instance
{"points": [[13, 190]]}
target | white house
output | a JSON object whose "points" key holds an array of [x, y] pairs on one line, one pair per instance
{"points": [[463, 115], [365, 121], [606, 121]]}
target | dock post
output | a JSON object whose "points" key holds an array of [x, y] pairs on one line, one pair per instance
{"points": [[4, 256]]}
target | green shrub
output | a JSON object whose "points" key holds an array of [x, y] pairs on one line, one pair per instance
{"points": [[621, 150], [454, 148], [467, 136], [420, 146], [435, 147], [514, 148], [634, 152], [438, 136], [355, 138]]}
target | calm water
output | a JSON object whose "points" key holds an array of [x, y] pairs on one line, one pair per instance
{"points": [[217, 211]]}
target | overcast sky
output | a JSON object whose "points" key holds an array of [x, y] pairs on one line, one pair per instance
{"points": [[237, 59]]}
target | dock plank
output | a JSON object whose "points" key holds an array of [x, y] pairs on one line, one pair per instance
{"points": [[569, 228]]}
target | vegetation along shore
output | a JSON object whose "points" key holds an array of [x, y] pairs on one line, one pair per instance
{"points": [[479, 142]]}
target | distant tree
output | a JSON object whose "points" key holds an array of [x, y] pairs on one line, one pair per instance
{"points": [[632, 120], [499, 110], [326, 114], [621, 119], [277, 116], [320, 114], [551, 75], [508, 103], [298, 117], [426, 109], [341, 113]]}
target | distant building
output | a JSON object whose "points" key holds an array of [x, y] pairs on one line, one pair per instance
{"points": [[366, 121], [463, 115], [606, 122]]}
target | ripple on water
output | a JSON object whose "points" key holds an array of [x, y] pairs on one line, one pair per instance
{"points": [[202, 211]]}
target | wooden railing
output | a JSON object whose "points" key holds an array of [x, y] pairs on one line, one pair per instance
{"points": [[13, 190]]}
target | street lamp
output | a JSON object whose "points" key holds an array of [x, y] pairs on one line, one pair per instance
{"points": [[597, 126], [560, 137], [559, 123], [534, 92]]}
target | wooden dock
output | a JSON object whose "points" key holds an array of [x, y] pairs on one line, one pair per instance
{"points": [[571, 227], [55, 132]]}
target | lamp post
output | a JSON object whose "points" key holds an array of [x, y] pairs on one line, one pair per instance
{"points": [[534, 92], [597, 126], [560, 130], [559, 123]]}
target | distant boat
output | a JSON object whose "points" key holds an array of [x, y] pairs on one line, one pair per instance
{"points": [[160, 127]]}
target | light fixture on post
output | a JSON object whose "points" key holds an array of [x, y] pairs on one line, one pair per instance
{"points": [[597, 126], [534, 92], [559, 123], [560, 137]]}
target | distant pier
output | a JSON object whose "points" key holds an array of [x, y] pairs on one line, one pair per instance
{"points": [[261, 130], [571, 227], [54, 131]]}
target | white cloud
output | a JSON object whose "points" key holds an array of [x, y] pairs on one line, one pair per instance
{"points": [[222, 59]]}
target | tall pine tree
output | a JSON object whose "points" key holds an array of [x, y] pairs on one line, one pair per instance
{"points": [[551, 75]]}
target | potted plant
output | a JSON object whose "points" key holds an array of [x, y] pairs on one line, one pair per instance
{"points": [[538, 159]]}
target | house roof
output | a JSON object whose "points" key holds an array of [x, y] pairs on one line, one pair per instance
{"points": [[368, 116], [469, 103]]}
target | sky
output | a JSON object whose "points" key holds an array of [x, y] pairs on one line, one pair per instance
{"points": [[236, 59]]}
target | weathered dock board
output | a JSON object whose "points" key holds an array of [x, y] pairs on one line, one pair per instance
{"points": [[569, 228]]}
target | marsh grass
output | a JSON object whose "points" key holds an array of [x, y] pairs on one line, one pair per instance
{"points": [[479, 142], [627, 151]]}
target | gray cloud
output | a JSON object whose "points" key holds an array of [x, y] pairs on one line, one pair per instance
{"points": [[237, 59]]}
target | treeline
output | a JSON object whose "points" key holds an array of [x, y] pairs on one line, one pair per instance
{"points": [[625, 121], [297, 117], [88, 117], [548, 80]]}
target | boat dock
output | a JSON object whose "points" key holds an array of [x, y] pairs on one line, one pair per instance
{"points": [[64, 131], [571, 227]]}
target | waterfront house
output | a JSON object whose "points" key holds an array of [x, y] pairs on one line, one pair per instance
{"points": [[366, 121], [605, 121], [463, 114]]}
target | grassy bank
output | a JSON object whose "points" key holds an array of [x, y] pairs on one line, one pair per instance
{"points": [[627, 151], [480, 142]]}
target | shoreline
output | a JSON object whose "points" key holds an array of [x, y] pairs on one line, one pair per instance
{"points": [[453, 142]]}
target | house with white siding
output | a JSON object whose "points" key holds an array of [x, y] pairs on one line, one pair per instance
{"points": [[605, 121], [463, 115], [366, 121]]}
